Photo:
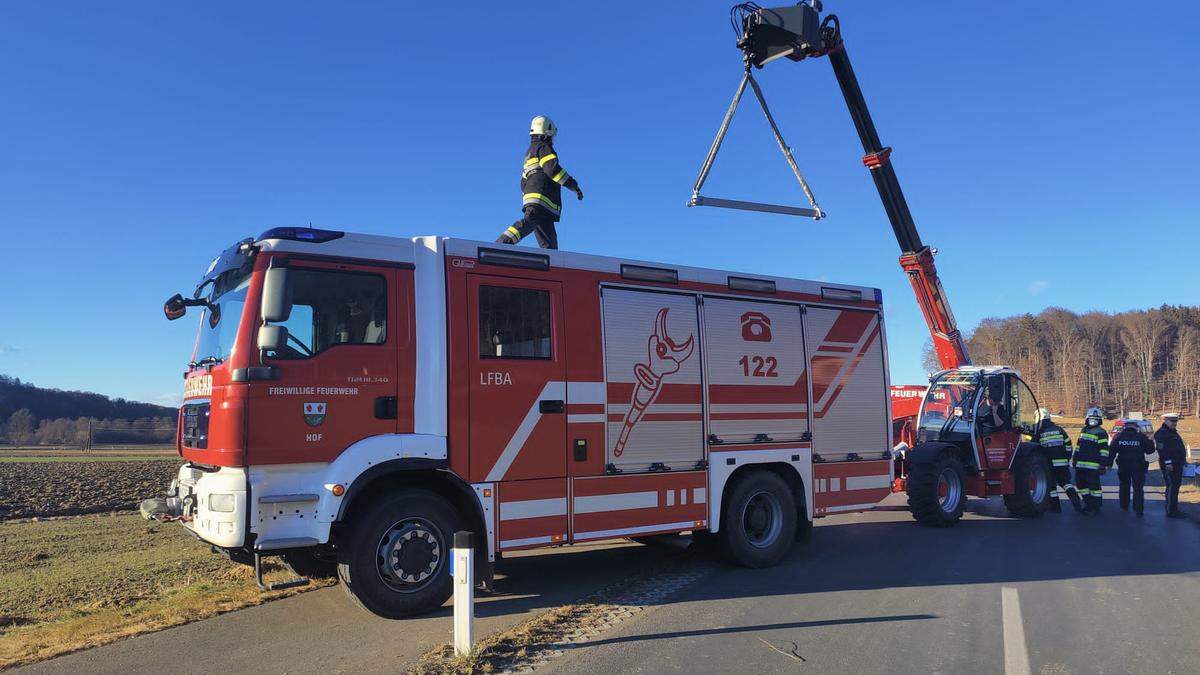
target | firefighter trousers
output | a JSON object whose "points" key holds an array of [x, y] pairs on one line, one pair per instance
{"points": [[1062, 479], [1132, 479], [537, 220], [1174, 478], [1088, 482]]}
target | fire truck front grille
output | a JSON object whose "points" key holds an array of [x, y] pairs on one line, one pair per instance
{"points": [[195, 425]]}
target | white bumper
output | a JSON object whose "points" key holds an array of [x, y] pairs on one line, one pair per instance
{"points": [[214, 504]]}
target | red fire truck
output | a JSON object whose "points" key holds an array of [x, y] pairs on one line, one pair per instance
{"points": [[353, 400]]}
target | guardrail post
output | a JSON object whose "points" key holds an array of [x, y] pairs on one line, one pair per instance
{"points": [[463, 569]]}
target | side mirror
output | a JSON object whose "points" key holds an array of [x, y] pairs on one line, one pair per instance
{"points": [[272, 338], [174, 307], [276, 296]]}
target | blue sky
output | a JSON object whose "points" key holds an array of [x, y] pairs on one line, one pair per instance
{"points": [[138, 139]]}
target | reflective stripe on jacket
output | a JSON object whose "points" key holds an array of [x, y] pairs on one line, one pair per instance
{"points": [[1092, 447], [543, 178]]}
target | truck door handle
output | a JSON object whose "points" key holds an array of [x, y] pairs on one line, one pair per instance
{"points": [[549, 406], [385, 408]]}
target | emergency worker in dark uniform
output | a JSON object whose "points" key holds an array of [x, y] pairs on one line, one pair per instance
{"points": [[542, 180], [1057, 447], [1091, 456], [1172, 455], [1130, 448]]}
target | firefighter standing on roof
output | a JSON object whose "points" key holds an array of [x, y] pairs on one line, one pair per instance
{"points": [[1057, 446], [542, 180], [1091, 456], [1130, 448], [1172, 455]]}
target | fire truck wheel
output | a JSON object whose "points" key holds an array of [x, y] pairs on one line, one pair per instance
{"points": [[758, 521], [1031, 476], [937, 491], [311, 564], [395, 561]]}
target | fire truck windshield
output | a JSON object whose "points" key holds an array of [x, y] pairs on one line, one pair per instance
{"points": [[947, 408], [218, 326]]}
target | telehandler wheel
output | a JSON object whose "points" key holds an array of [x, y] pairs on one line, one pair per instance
{"points": [[311, 564], [1031, 476], [937, 491], [758, 521], [395, 559]]}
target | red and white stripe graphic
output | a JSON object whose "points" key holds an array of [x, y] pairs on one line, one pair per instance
{"points": [[850, 486], [622, 506]]}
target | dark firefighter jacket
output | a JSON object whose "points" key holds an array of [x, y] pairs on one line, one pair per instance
{"points": [[1055, 443], [1170, 445], [1130, 447], [542, 177], [1091, 452]]}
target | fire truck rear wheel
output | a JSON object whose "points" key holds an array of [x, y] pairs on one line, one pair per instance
{"points": [[1031, 475], [758, 521], [937, 491], [395, 560]]}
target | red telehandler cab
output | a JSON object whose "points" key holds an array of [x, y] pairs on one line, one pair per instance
{"points": [[970, 435]]}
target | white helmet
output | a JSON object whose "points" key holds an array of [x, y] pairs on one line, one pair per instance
{"points": [[1095, 412], [542, 126], [1044, 414]]}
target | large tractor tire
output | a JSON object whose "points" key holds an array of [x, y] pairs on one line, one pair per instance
{"points": [[1032, 478], [394, 561], [937, 491], [758, 521]]}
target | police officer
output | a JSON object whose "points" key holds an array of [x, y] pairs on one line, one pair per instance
{"points": [[1172, 455], [1130, 448], [1057, 446], [542, 180], [1091, 457]]}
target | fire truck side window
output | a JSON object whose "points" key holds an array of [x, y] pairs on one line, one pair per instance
{"points": [[331, 308], [514, 323]]}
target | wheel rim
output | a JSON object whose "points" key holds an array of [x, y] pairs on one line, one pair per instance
{"points": [[949, 490], [1039, 483], [762, 519], [410, 555]]}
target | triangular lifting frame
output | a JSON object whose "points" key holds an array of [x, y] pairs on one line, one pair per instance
{"points": [[697, 200]]}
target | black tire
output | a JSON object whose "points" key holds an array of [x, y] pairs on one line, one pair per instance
{"points": [[1031, 476], [417, 529], [758, 521], [927, 481], [311, 563]]}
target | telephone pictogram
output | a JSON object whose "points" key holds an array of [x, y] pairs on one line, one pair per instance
{"points": [[756, 327]]}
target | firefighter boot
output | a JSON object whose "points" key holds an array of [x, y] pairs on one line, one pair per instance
{"points": [[1073, 495], [1055, 505]]}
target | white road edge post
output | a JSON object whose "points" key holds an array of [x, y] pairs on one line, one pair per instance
{"points": [[463, 560]]}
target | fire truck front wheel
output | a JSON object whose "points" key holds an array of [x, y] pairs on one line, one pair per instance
{"points": [[394, 561], [758, 520]]}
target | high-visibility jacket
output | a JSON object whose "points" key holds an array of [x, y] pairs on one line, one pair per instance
{"points": [[543, 177], [1055, 443], [1091, 452]]}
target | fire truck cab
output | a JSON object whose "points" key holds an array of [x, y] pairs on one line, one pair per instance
{"points": [[353, 400]]}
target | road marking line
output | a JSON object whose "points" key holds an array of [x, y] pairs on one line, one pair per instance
{"points": [[1016, 655]]}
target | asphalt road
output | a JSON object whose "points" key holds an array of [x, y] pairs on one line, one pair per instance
{"points": [[874, 593], [870, 593]]}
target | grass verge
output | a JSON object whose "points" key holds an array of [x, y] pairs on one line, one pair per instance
{"points": [[71, 583]]}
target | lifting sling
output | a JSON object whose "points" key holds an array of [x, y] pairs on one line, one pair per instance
{"points": [[698, 200]]}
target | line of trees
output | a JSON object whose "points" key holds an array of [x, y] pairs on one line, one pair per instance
{"points": [[24, 428], [1147, 360]]}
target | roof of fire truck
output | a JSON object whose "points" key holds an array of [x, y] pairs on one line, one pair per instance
{"points": [[405, 250]]}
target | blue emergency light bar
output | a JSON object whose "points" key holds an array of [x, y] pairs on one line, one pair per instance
{"points": [[308, 234]]}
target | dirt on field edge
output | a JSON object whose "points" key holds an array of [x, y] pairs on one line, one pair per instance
{"points": [[78, 582]]}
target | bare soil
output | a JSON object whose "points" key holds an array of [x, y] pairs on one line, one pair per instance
{"points": [[34, 487]]}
